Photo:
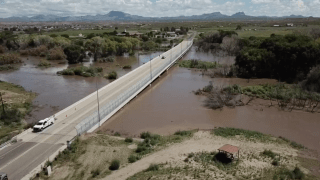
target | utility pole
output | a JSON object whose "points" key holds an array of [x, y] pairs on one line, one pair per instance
{"points": [[150, 67], [98, 102]]}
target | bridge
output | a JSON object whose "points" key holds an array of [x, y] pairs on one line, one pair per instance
{"points": [[24, 158]]}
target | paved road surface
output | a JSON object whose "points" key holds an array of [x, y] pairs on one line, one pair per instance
{"points": [[19, 159]]}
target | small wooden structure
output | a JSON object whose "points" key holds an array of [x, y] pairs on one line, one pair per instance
{"points": [[230, 151]]}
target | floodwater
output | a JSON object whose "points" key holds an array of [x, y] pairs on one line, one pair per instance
{"points": [[169, 105], [58, 92]]}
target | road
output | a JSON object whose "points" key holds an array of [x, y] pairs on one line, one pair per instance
{"points": [[32, 149]]}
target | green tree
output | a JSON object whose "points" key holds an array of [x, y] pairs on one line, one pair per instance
{"points": [[95, 46]]}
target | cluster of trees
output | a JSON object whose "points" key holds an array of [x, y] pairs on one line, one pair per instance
{"points": [[287, 58], [227, 41], [183, 30]]}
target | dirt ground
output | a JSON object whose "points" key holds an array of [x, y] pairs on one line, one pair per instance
{"points": [[252, 164]]}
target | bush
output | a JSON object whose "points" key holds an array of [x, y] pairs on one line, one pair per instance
{"points": [[107, 59], [153, 167], [44, 63], [275, 162], [38, 50], [65, 35], [145, 135], [128, 140], [2, 49], [112, 75], [95, 173], [198, 64], [269, 153], [183, 133], [133, 158], [231, 132], [115, 164], [285, 173], [24, 52], [117, 134], [9, 58], [127, 67], [81, 71], [56, 53], [7, 67], [312, 82]]}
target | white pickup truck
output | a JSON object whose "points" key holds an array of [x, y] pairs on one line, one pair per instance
{"points": [[43, 124]]}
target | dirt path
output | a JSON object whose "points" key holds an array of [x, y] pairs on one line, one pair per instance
{"points": [[201, 141]]}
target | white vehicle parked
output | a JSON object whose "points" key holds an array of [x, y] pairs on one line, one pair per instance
{"points": [[43, 124]]}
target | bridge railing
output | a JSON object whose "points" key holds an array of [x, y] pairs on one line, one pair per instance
{"points": [[111, 107]]}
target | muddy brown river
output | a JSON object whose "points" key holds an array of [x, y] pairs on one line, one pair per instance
{"points": [[169, 104]]}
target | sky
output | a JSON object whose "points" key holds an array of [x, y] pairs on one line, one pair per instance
{"points": [[158, 8]]}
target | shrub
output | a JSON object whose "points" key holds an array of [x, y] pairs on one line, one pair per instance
{"points": [[7, 68], [298, 174], [269, 153], [44, 63], [312, 82], [128, 140], [65, 35], [275, 162], [53, 35], [153, 167], [56, 53], [2, 49], [183, 133], [127, 67], [9, 58], [24, 52], [115, 164], [296, 145], [133, 158], [36, 51], [145, 135], [107, 59], [95, 173], [112, 75], [117, 134]]}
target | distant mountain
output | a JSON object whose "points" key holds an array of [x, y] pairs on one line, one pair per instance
{"points": [[121, 16]]}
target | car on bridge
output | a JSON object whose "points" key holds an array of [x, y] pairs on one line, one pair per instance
{"points": [[41, 125], [3, 176]]}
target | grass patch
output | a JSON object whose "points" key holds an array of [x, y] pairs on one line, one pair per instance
{"points": [[199, 64], [154, 142], [232, 132], [82, 71]]}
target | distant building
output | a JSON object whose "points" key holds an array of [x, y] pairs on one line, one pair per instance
{"points": [[276, 25], [290, 24]]}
